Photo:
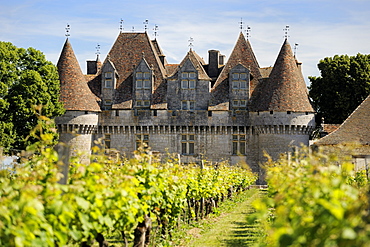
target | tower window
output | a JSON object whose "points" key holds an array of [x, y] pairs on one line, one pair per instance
{"points": [[187, 144], [238, 144]]}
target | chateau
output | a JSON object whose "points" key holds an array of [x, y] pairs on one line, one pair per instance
{"points": [[226, 109]]}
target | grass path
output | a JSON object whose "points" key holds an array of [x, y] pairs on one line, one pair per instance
{"points": [[230, 229]]}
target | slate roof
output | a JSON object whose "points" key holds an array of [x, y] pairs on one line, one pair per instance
{"points": [[356, 128], [285, 90], [74, 90], [126, 53], [241, 54], [197, 62]]}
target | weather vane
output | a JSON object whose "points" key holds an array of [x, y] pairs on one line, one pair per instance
{"points": [[97, 50], [295, 48], [248, 32], [286, 31], [68, 29], [191, 40], [121, 25], [241, 23], [155, 31], [146, 22]]}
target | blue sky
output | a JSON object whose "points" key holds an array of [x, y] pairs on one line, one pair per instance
{"points": [[321, 28]]}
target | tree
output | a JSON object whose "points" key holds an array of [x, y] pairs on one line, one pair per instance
{"points": [[344, 83], [27, 80]]}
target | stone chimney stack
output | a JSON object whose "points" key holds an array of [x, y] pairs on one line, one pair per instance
{"points": [[213, 63], [93, 66]]}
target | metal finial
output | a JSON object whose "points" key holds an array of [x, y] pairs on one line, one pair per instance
{"points": [[241, 23], [68, 29], [286, 32], [97, 49], [295, 48], [248, 32], [191, 40], [133, 29], [155, 30], [121, 25], [146, 22]]}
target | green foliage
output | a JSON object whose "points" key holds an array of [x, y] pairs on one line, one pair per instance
{"points": [[107, 195], [344, 83], [27, 79], [315, 200]]}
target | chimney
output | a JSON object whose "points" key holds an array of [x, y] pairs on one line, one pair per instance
{"points": [[213, 63], [222, 59], [93, 66], [162, 58]]}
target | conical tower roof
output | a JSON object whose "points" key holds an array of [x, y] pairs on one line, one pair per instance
{"points": [[285, 90], [242, 54], [74, 91], [355, 128]]}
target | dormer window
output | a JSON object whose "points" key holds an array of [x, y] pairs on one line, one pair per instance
{"points": [[239, 80], [108, 79], [143, 80], [188, 80]]}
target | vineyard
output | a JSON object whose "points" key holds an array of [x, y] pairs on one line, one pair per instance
{"points": [[313, 199], [110, 195]]}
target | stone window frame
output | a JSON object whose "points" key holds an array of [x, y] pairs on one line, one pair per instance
{"points": [[238, 82], [187, 144], [107, 141], [188, 80], [108, 79], [141, 139], [239, 144], [143, 80], [188, 105], [142, 103], [239, 104]]}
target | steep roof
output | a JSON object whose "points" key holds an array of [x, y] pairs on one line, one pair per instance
{"points": [[356, 128], [285, 90], [126, 53], [242, 54], [74, 90], [197, 62]]}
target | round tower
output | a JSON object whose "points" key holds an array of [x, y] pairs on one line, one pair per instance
{"points": [[77, 126], [280, 110]]}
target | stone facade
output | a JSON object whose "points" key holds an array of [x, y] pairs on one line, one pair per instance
{"points": [[214, 111]]}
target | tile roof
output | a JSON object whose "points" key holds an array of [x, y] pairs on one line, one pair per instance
{"points": [[285, 90], [75, 92], [126, 53], [356, 128], [197, 62], [241, 54]]}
